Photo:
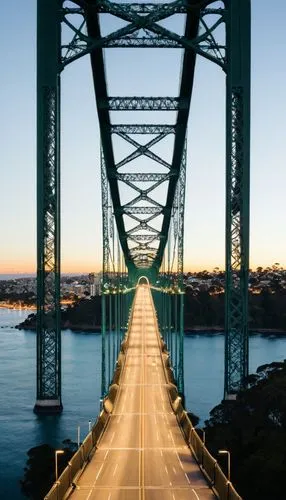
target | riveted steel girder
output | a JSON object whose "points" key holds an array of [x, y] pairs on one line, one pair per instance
{"points": [[146, 19], [143, 129], [139, 210], [97, 64], [148, 177], [143, 104], [180, 103], [48, 209], [237, 194]]}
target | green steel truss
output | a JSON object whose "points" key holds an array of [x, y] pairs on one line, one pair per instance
{"points": [[48, 209], [168, 292], [117, 294], [141, 254], [237, 193], [219, 31]]}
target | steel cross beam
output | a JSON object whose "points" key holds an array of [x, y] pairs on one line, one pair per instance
{"points": [[105, 104], [143, 129], [143, 104], [146, 18]]}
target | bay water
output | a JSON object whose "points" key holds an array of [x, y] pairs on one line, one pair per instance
{"points": [[21, 429]]}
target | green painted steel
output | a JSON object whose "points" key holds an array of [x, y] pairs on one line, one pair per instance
{"points": [[237, 193], [48, 209], [117, 293], [148, 247], [168, 292], [145, 255]]}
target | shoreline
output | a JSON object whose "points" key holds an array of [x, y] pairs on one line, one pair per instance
{"points": [[84, 327], [188, 331], [205, 330], [17, 307]]}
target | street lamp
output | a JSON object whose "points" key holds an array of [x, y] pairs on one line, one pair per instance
{"points": [[78, 436], [57, 452], [226, 452], [203, 434]]}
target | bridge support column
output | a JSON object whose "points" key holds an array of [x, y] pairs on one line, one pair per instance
{"points": [[237, 193], [48, 209]]}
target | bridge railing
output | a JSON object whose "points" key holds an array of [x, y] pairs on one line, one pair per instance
{"points": [[209, 466], [222, 487], [80, 458]]}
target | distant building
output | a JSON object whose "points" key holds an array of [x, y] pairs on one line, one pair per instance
{"points": [[94, 284]]}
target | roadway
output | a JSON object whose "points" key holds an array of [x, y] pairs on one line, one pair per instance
{"points": [[142, 454]]}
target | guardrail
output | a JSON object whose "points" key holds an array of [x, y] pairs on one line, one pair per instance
{"points": [[79, 460], [222, 487]]}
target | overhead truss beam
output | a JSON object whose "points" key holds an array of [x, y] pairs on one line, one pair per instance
{"points": [[143, 104]]}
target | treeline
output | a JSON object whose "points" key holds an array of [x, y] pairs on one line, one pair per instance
{"points": [[27, 298], [83, 313], [253, 429], [266, 310]]}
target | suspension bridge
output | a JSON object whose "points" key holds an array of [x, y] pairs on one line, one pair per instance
{"points": [[143, 172]]}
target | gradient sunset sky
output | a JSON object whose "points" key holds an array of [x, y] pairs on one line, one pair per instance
{"points": [[81, 199]]}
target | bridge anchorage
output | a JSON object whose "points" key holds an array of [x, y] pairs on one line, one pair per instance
{"points": [[142, 206]]}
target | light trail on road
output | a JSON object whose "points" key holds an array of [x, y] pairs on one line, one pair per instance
{"points": [[142, 455]]}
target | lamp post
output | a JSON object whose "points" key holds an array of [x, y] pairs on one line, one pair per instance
{"points": [[57, 452], [203, 434], [78, 436], [226, 452]]}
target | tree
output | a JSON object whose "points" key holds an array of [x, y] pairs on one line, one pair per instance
{"points": [[39, 473], [253, 429]]}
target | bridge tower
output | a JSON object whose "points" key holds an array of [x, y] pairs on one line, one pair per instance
{"points": [[217, 30], [48, 207]]}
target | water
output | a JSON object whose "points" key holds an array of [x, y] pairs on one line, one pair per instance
{"points": [[20, 429], [204, 367]]}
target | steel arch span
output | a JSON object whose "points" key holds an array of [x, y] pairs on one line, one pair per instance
{"points": [[143, 232]]}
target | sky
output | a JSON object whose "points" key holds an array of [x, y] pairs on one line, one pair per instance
{"points": [[80, 175]]}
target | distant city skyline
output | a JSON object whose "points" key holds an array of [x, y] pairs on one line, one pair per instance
{"points": [[81, 205]]}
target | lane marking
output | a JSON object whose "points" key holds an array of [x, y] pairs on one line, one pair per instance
{"points": [[88, 497], [197, 496], [115, 469], [187, 478], [97, 476]]}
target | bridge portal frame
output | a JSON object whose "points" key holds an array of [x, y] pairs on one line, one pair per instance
{"points": [[236, 63]]}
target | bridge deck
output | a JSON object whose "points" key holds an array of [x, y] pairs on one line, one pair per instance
{"points": [[142, 454]]}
